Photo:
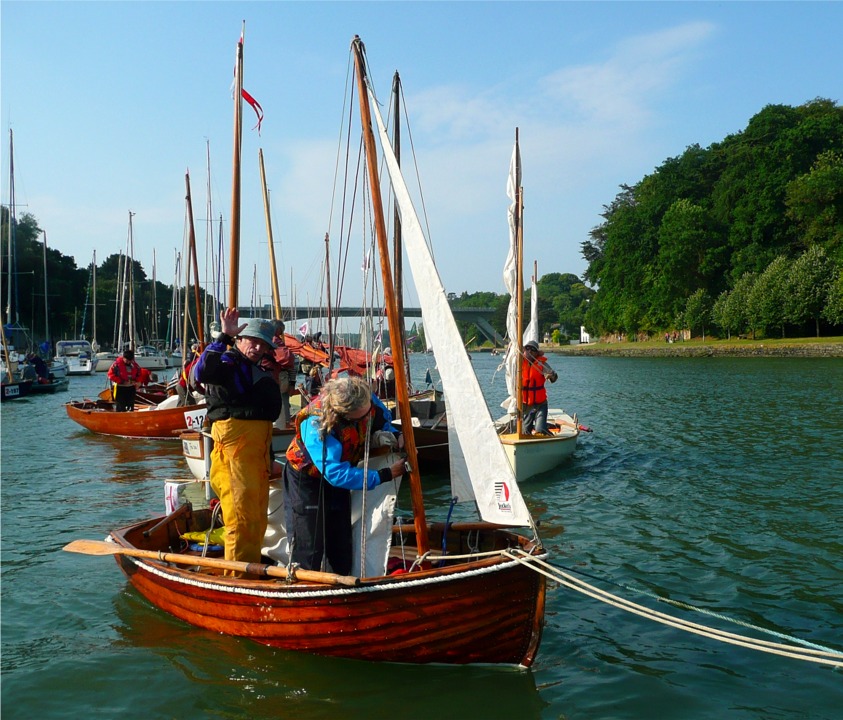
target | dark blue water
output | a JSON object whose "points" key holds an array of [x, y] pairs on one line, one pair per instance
{"points": [[716, 482]]}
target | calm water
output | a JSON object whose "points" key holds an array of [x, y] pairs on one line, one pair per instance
{"points": [[718, 482]]}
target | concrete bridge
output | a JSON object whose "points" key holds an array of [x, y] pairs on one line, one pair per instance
{"points": [[478, 316]]}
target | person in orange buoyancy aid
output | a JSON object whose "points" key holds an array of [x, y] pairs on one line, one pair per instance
{"points": [[534, 372], [321, 472], [126, 375], [187, 384]]}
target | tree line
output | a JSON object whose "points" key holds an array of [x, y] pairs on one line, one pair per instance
{"points": [[68, 310]]}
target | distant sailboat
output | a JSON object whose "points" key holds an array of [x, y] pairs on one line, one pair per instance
{"points": [[529, 455]]}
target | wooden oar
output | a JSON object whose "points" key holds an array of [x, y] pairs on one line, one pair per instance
{"points": [[100, 547]]}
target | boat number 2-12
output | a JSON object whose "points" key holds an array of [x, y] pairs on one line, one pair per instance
{"points": [[194, 419]]}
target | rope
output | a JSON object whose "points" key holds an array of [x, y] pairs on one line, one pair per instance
{"points": [[816, 653]]}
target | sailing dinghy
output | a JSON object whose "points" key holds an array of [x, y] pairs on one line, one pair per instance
{"points": [[529, 455]]}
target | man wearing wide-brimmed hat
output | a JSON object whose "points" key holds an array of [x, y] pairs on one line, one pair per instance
{"points": [[243, 401]]}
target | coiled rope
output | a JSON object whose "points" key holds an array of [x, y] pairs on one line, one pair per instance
{"points": [[812, 652]]}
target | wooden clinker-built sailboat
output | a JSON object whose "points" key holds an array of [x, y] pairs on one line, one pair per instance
{"points": [[472, 600]]}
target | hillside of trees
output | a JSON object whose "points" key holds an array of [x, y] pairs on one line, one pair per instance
{"points": [[743, 237]]}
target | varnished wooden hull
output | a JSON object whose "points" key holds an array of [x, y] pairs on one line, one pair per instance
{"points": [[487, 611], [101, 417]]}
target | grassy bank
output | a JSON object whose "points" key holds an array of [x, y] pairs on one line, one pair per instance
{"points": [[768, 347]]}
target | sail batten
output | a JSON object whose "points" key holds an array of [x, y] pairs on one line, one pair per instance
{"points": [[492, 482]]}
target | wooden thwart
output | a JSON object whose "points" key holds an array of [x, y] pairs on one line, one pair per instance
{"points": [[100, 547]]}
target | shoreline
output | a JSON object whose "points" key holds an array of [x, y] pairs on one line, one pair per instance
{"points": [[761, 348]]}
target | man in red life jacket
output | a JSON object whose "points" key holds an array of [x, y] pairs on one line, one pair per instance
{"points": [[534, 371], [125, 374]]}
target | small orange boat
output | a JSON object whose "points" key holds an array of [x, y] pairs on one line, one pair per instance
{"points": [[153, 423]]}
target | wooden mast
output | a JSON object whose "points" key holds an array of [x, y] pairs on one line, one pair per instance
{"points": [[234, 257], [46, 302], [130, 279], [401, 382], [94, 343], [519, 298], [200, 327], [273, 270], [398, 249]]}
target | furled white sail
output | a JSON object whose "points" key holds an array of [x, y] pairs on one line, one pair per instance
{"points": [[510, 279], [495, 490]]}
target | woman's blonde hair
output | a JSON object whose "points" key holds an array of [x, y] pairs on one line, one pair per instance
{"points": [[340, 397]]}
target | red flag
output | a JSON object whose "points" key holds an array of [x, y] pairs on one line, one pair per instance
{"points": [[256, 106]]}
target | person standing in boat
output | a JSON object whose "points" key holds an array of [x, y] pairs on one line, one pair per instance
{"points": [[534, 372], [321, 470], [243, 401], [187, 385], [125, 375]]}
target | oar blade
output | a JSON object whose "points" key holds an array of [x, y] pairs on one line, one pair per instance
{"points": [[92, 547]]}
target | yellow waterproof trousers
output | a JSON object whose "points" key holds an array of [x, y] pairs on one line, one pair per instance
{"points": [[240, 465]]}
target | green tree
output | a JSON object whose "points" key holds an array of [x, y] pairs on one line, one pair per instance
{"points": [[697, 313], [833, 311], [766, 305], [737, 310], [810, 280]]}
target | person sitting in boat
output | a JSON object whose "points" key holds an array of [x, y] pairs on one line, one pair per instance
{"points": [[534, 372], [321, 470], [41, 369], [243, 401], [125, 375]]}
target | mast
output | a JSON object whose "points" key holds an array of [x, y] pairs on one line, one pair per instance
{"points": [[94, 344], [210, 310], [234, 260], [394, 320], [398, 249], [130, 279], [273, 270], [153, 329], [200, 329], [11, 265], [46, 308], [519, 299], [117, 339]]}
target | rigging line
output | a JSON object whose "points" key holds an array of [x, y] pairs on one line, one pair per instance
{"points": [[836, 658], [711, 613], [418, 175]]}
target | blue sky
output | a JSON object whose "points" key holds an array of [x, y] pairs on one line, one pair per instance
{"points": [[111, 102]]}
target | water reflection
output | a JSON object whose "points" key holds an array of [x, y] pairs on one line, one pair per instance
{"points": [[274, 683]]}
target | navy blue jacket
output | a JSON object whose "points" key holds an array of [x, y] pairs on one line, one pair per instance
{"points": [[235, 387]]}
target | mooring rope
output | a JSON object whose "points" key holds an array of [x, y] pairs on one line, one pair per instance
{"points": [[814, 653]]}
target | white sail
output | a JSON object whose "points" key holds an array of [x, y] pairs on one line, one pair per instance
{"points": [[495, 490], [510, 280]]}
